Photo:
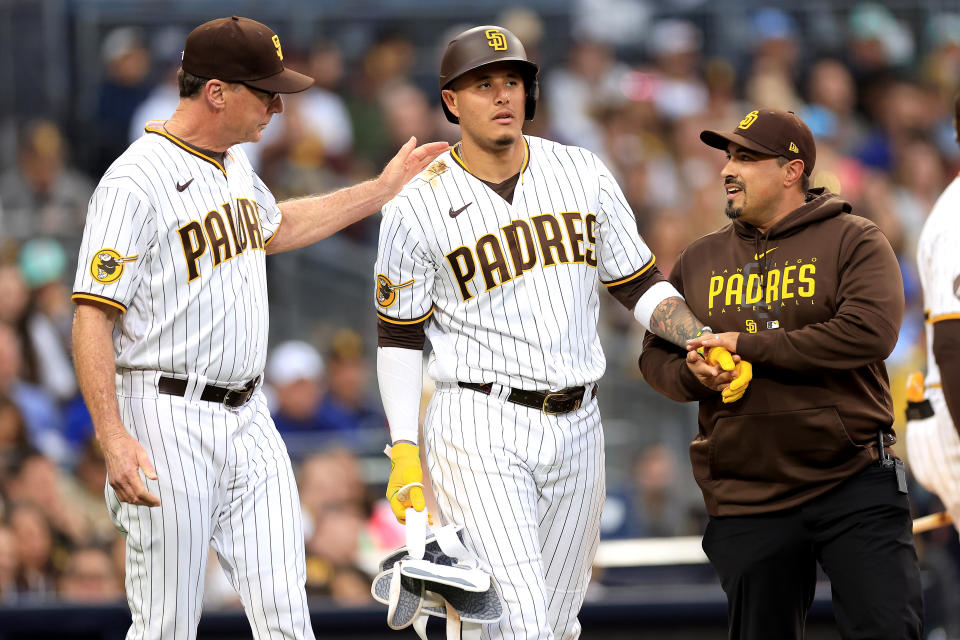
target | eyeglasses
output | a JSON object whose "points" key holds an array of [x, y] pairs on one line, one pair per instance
{"points": [[267, 97]]}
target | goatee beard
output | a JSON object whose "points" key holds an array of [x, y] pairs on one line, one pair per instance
{"points": [[733, 212]]}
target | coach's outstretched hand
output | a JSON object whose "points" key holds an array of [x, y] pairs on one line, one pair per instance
{"points": [[408, 162], [405, 487], [124, 458]]}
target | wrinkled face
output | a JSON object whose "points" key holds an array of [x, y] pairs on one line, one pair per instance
{"points": [[250, 111], [490, 102], [753, 184]]}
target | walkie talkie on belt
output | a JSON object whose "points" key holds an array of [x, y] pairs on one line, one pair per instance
{"points": [[887, 461]]}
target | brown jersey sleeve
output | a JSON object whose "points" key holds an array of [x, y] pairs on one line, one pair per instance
{"points": [[946, 350], [628, 290], [406, 335]]}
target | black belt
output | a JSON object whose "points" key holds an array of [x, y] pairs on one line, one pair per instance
{"points": [[563, 401], [232, 398]]}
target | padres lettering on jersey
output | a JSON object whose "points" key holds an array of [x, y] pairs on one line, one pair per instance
{"points": [[163, 219], [509, 290]]}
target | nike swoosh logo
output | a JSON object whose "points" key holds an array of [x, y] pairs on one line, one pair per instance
{"points": [[181, 187], [455, 212], [757, 256]]}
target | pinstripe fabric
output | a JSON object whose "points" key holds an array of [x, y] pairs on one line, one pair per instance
{"points": [[224, 479], [528, 489], [187, 234], [205, 314], [933, 445], [530, 319]]}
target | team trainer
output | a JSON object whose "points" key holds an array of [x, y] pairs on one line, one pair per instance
{"points": [[799, 472], [170, 338]]}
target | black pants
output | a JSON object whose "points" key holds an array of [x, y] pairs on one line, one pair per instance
{"points": [[860, 533]]}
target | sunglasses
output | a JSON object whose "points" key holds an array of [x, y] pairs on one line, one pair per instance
{"points": [[266, 96]]}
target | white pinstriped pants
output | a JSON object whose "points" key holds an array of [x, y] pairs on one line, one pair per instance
{"points": [[224, 479], [933, 449], [528, 489]]}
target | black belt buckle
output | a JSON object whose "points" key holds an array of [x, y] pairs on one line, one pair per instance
{"points": [[236, 398], [561, 402]]}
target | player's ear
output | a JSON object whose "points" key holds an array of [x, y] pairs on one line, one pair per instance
{"points": [[450, 99], [215, 93]]}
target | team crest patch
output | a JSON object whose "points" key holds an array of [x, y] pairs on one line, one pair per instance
{"points": [[387, 291], [433, 171], [107, 265]]}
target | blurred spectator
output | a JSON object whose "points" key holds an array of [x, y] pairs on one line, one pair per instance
{"points": [[329, 481], [8, 565], [46, 323], [43, 419], [335, 514], [295, 373], [771, 80], [590, 80], [42, 194], [125, 85], [675, 47], [653, 505], [34, 543], [36, 480], [832, 101], [14, 443], [83, 491], [387, 62], [315, 129], [348, 407], [14, 293], [89, 578]]}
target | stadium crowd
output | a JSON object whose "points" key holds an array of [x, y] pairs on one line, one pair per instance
{"points": [[880, 107]]}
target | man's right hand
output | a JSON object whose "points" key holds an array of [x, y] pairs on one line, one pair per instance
{"points": [[125, 457], [405, 487], [711, 375]]}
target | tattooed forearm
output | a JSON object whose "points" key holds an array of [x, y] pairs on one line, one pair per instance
{"points": [[672, 320]]}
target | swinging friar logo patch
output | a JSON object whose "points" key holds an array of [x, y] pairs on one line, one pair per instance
{"points": [[107, 265], [387, 291]]}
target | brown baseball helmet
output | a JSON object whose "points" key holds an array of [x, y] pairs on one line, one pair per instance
{"points": [[480, 46]]}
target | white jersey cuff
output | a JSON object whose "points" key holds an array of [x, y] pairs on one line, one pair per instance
{"points": [[650, 299], [400, 376]]}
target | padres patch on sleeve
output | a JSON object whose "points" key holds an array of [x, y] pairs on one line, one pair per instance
{"points": [[387, 291], [107, 265]]}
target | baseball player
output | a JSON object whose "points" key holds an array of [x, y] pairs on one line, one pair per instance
{"points": [[495, 253], [932, 441], [170, 333]]}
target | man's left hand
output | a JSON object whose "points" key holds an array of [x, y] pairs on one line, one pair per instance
{"points": [[727, 340], [408, 162]]}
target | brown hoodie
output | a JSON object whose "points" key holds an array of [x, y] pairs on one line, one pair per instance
{"points": [[818, 300]]}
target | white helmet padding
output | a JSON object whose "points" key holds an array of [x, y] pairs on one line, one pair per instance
{"points": [[448, 583]]}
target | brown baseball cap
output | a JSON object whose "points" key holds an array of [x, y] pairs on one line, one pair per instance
{"points": [[770, 131], [239, 49]]}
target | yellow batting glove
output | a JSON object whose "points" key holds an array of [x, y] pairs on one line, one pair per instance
{"points": [[405, 486], [738, 386], [719, 356], [915, 387]]}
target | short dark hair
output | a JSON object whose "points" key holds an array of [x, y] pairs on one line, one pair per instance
{"points": [[189, 84], [956, 117], [804, 178]]}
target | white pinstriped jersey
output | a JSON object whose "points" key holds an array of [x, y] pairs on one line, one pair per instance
{"points": [[509, 291], [176, 240], [939, 264]]}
